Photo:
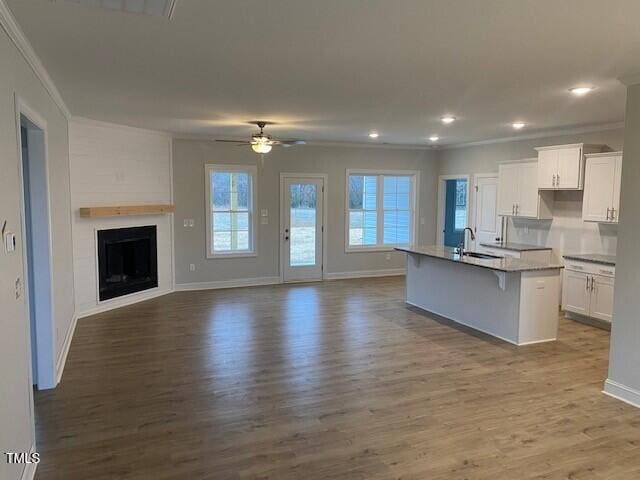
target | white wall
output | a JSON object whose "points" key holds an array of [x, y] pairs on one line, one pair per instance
{"points": [[16, 407], [567, 233], [624, 363], [190, 156], [115, 165]]}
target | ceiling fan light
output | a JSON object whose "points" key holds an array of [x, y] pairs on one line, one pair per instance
{"points": [[261, 147]]}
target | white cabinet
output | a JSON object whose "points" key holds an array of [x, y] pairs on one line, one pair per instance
{"points": [[603, 175], [561, 167], [587, 289], [518, 194]]}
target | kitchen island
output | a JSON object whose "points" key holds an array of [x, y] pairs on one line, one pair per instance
{"points": [[511, 299]]}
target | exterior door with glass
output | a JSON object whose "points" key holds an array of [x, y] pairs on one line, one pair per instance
{"points": [[302, 228]]}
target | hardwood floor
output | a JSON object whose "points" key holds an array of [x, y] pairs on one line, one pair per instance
{"points": [[334, 380]]}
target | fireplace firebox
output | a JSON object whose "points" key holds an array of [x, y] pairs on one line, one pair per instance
{"points": [[127, 261]]}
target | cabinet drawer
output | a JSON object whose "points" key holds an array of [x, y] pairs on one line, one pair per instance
{"points": [[590, 268]]}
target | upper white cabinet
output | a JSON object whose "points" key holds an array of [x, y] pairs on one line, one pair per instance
{"points": [[561, 167], [518, 194], [603, 175]]}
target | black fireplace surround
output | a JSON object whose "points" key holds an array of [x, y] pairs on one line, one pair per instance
{"points": [[127, 261]]}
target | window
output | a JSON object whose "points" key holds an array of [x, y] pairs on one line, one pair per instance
{"points": [[380, 209], [461, 205], [230, 206]]}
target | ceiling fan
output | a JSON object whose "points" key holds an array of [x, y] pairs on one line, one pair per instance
{"points": [[262, 143]]}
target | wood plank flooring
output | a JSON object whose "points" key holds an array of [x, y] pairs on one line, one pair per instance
{"points": [[334, 380]]}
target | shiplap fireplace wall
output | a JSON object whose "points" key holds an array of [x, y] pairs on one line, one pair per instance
{"points": [[115, 165]]}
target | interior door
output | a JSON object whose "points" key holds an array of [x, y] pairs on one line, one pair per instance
{"points": [[602, 297], [487, 224], [575, 295], [302, 236], [527, 205], [599, 189]]}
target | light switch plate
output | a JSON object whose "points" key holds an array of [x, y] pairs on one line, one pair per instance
{"points": [[9, 242], [264, 212]]}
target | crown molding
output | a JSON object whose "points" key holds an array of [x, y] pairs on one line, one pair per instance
{"points": [[601, 127], [628, 80], [15, 33]]}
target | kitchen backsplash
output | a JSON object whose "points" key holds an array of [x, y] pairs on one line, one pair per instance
{"points": [[567, 232]]}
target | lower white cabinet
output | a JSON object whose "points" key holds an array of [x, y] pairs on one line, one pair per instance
{"points": [[587, 289]]}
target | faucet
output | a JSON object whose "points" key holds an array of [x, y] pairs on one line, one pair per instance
{"points": [[462, 247]]}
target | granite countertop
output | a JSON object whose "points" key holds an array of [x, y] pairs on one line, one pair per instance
{"points": [[593, 258], [497, 264], [516, 247]]}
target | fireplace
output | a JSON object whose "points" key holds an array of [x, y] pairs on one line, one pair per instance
{"points": [[127, 261]]}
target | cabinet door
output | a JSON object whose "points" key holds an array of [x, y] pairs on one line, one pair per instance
{"points": [[601, 304], [600, 177], [575, 296], [508, 183], [617, 181], [569, 168], [547, 166], [528, 197]]}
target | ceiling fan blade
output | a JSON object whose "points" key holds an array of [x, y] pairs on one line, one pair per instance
{"points": [[291, 143], [239, 142]]}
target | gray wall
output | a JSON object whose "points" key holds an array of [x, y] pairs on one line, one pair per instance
{"points": [[190, 156], [16, 77], [567, 233], [624, 365]]}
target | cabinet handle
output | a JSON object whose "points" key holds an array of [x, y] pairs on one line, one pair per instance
{"points": [[558, 180], [608, 211], [593, 282], [517, 208], [588, 283], [613, 214]]}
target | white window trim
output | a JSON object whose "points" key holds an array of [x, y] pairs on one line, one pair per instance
{"points": [[253, 234], [414, 206]]}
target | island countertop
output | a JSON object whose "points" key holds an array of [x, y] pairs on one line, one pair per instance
{"points": [[497, 264]]}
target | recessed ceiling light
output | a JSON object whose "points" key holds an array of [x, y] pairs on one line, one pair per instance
{"points": [[447, 119], [374, 135], [518, 125], [580, 91], [434, 138]]}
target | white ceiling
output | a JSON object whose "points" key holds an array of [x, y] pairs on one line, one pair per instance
{"points": [[333, 70]]}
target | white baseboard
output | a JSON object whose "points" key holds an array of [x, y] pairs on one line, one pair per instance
{"points": [[130, 300], [62, 359], [392, 272], [29, 471], [241, 282], [622, 392]]}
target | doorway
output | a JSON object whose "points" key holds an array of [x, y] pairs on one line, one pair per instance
{"points": [[302, 226], [485, 219], [37, 251], [453, 209]]}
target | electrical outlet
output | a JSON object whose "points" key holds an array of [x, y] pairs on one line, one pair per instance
{"points": [[192, 267]]}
